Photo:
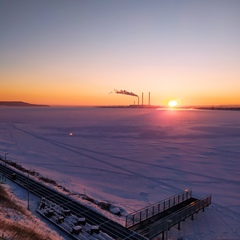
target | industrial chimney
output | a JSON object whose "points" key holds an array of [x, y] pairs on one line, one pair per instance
{"points": [[149, 99], [142, 98]]}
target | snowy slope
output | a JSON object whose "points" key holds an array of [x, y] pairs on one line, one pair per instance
{"points": [[23, 219]]}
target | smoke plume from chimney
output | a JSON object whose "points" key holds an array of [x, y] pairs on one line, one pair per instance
{"points": [[125, 93]]}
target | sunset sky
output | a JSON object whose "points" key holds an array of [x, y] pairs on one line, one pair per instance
{"points": [[77, 52]]}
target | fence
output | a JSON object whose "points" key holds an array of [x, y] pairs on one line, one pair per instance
{"points": [[162, 225], [152, 210]]}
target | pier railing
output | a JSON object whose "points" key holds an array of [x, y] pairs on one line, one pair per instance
{"points": [[162, 225], [153, 209]]}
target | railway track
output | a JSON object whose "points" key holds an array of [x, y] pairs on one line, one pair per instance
{"points": [[113, 229]]}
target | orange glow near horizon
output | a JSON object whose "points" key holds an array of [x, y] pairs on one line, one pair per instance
{"points": [[95, 90], [67, 96]]}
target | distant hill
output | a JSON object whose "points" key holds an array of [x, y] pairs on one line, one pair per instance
{"points": [[20, 104]]}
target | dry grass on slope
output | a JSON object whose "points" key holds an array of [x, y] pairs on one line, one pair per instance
{"points": [[19, 232], [16, 222], [6, 202]]}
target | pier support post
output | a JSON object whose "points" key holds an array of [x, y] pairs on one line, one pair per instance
{"points": [[179, 226], [163, 235]]}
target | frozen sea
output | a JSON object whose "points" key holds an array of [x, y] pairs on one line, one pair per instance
{"points": [[135, 157]]}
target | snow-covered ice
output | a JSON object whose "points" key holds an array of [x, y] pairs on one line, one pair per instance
{"points": [[135, 157]]}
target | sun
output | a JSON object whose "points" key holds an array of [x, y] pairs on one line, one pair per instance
{"points": [[172, 103]]}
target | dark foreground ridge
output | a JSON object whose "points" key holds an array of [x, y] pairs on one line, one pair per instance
{"points": [[20, 104]]}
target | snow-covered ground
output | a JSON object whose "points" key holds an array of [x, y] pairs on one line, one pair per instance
{"points": [[134, 157]]}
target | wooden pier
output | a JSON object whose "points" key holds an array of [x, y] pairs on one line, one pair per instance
{"points": [[158, 218]]}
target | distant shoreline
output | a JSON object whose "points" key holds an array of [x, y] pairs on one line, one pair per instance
{"points": [[219, 107], [132, 106], [237, 108], [20, 104]]}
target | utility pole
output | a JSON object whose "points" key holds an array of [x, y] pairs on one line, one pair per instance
{"points": [[28, 192], [5, 160]]}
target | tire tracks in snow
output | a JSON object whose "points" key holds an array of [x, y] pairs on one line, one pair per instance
{"points": [[72, 148], [69, 148]]}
